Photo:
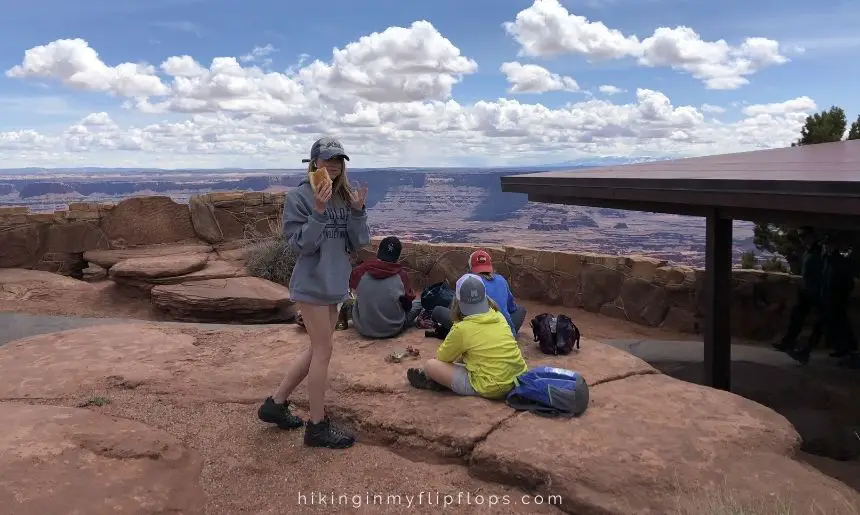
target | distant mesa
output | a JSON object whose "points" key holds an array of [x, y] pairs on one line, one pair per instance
{"points": [[7, 189], [39, 189], [620, 225]]}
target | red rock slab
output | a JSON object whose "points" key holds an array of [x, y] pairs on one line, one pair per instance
{"points": [[72, 362], [214, 269], [647, 443], [21, 284], [597, 362], [108, 258], [377, 398], [230, 300], [69, 460], [159, 266], [197, 364]]}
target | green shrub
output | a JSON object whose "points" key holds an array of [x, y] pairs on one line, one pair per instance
{"points": [[748, 260], [271, 259], [774, 264]]}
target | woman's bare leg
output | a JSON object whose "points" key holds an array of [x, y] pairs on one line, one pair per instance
{"points": [[296, 373], [318, 321]]}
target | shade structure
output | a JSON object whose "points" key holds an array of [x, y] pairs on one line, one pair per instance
{"points": [[810, 185]]}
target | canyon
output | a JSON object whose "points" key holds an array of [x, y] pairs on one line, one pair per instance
{"points": [[437, 205], [647, 290]]}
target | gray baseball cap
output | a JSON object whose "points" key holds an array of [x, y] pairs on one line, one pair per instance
{"points": [[326, 148], [471, 295]]}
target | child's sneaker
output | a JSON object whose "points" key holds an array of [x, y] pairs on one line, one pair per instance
{"points": [[324, 434], [274, 413], [418, 379]]}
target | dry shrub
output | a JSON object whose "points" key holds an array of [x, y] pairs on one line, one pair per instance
{"points": [[270, 257]]}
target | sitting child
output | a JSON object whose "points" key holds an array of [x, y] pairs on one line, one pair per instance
{"points": [[384, 304], [481, 336], [498, 290]]}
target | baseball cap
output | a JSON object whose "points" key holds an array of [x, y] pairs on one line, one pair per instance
{"points": [[480, 262], [471, 295], [326, 148], [389, 249]]}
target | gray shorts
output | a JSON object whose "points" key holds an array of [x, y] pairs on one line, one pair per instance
{"points": [[460, 384]]}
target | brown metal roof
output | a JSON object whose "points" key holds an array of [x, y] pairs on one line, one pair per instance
{"points": [[809, 180]]}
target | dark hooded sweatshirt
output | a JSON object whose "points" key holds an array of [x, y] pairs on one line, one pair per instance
{"points": [[382, 298]]}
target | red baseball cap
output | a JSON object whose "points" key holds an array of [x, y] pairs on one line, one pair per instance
{"points": [[480, 262]]}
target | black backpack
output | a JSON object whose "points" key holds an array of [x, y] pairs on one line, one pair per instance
{"points": [[439, 294], [555, 334]]}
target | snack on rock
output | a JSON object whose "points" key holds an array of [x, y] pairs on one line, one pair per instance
{"points": [[318, 177]]}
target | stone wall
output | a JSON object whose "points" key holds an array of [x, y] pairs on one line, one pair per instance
{"points": [[644, 290]]}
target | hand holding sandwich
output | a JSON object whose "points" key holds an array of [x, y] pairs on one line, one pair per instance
{"points": [[321, 183]]}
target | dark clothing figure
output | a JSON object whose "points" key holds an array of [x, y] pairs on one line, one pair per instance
{"points": [[837, 283], [808, 299]]}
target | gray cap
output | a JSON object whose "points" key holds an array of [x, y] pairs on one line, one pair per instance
{"points": [[326, 148], [471, 295]]}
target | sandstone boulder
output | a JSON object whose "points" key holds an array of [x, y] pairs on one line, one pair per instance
{"points": [[159, 266], [147, 221], [69, 460], [21, 245], [204, 221], [213, 269], [19, 284], [108, 258], [230, 300], [668, 442]]}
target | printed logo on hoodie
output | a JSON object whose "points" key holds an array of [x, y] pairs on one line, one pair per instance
{"points": [[338, 217]]}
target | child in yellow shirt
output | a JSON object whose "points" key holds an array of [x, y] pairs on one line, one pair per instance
{"points": [[481, 336]]}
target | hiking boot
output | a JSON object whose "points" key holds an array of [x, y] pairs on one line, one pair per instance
{"points": [[324, 434], [418, 379], [852, 361], [274, 413], [800, 356], [783, 346], [839, 353]]}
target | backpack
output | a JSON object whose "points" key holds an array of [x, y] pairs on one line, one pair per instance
{"points": [[555, 334], [550, 392], [439, 294]]}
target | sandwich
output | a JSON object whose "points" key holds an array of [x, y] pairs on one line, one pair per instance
{"points": [[318, 178]]}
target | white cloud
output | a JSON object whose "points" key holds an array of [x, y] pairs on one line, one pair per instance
{"points": [[548, 29], [710, 108], [389, 97], [75, 64], [797, 105], [530, 78], [609, 89], [260, 54]]}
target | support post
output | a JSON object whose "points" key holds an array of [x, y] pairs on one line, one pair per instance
{"points": [[718, 278]]}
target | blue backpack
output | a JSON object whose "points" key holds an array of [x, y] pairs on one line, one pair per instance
{"points": [[550, 392]]}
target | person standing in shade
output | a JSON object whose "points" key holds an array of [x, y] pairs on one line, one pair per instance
{"points": [[323, 227], [808, 295], [837, 284], [385, 304]]}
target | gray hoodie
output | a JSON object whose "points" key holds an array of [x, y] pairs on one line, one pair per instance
{"points": [[323, 244]]}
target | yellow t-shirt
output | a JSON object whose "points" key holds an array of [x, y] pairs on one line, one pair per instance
{"points": [[489, 351]]}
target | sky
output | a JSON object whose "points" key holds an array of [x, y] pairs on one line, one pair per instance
{"points": [[252, 84]]}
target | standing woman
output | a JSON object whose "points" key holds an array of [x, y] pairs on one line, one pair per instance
{"points": [[323, 224]]}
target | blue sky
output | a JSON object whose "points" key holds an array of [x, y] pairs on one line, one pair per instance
{"points": [[151, 31]]}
